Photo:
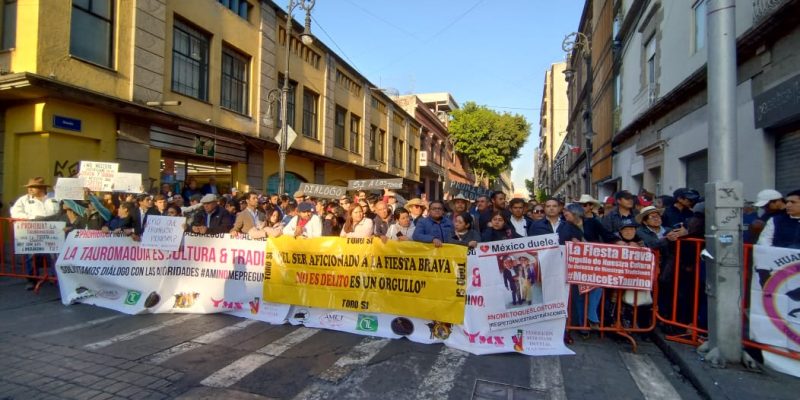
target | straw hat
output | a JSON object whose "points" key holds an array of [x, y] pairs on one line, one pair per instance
{"points": [[458, 197], [415, 202], [36, 182], [647, 211], [587, 198]]}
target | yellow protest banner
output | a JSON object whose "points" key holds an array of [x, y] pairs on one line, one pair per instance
{"points": [[403, 278]]}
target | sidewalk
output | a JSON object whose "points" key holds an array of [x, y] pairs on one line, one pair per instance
{"points": [[733, 382]]}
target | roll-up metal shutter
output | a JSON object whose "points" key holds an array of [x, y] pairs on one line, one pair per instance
{"points": [[697, 171], [787, 169]]}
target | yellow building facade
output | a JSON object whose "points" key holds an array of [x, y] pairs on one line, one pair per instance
{"points": [[148, 83]]}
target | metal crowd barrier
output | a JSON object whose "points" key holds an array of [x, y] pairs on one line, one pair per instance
{"points": [[693, 333], [14, 265]]}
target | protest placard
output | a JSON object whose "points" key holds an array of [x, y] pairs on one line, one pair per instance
{"points": [[38, 237], [163, 232], [610, 265], [469, 191], [128, 182], [374, 184], [98, 176], [323, 191], [69, 188]]}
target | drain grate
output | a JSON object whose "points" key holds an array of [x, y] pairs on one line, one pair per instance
{"points": [[488, 390]]}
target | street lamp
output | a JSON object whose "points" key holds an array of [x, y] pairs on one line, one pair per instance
{"points": [[307, 39], [580, 42]]}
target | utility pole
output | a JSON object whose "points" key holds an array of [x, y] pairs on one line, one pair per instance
{"points": [[724, 199]]}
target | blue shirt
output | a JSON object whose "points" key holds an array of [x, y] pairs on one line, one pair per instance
{"points": [[427, 230]]}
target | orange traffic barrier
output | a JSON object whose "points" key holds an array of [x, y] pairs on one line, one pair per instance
{"points": [[15, 265], [693, 334], [617, 314]]}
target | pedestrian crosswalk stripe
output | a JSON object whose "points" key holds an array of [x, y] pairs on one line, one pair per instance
{"points": [[199, 341], [439, 381], [237, 370], [141, 332], [546, 375], [76, 327], [360, 355], [651, 382]]}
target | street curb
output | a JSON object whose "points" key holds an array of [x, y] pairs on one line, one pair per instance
{"points": [[685, 369]]}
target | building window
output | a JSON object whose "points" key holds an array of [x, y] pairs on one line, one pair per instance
{"points": [[373, 140], [650, 72], [310, 102], [234, 81], [240, 7], [91, 33], [338, 134], [290, 101], [381, 145], [9, 40], [355, 134], [189, 61], [398, 158], [412, 155], [699, 12]]}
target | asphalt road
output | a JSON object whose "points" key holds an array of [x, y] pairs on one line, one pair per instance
{"points": [[52, 351]]}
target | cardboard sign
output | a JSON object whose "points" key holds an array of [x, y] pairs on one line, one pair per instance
{"points": [[128, 182], [470, 192], [163, 233], [610, 265], [323, 191], [98, 176], [373, 184], [70, 188], [38, 237]]}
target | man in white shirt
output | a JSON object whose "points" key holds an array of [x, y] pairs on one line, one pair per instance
{"points": [[305, 224], [521, 224], [35, 205]]}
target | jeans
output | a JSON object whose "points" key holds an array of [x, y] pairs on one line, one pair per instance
{"points": [[594, 296], [39, 261]]}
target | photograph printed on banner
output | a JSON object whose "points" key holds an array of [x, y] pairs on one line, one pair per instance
{"points": [[522, 277]]}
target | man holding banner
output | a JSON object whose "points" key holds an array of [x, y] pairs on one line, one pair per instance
{"points": [[32, 206]]}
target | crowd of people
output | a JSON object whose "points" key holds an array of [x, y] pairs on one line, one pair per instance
{"points": [[642, 219]]}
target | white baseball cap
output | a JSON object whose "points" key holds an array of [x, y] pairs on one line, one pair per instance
{"points": [[767, 195]]}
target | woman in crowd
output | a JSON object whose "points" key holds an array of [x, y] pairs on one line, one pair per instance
{"points": [[402, 228], [498, 229], [356, 226], [123, 222], [538, 212], [463, 233], [74, 215]]}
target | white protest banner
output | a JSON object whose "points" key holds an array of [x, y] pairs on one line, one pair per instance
{"points": [[372, 184], [38, 237], [128, 182], [610, 265], [163, 232], [98, 176], [70, 188], [775, 303], [208, 275]]}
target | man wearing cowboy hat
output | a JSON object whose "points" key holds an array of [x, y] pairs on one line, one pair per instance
{"points": [[589, 204], [35, 205], [458, 205], [416, 207]]}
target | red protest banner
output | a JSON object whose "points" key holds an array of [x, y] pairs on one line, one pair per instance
{"points": [[610, 265]]}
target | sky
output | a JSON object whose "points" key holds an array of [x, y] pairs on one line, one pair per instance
{"points": [[492, 52]]}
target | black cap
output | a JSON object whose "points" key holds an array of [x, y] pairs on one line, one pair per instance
{"points": [[623, 194], [628, 223]]}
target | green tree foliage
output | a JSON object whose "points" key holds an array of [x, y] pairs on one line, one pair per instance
{"points": [[529, 185], [489, 140]]}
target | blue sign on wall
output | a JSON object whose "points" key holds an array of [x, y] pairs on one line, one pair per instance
{"points": [[70, 124]]}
